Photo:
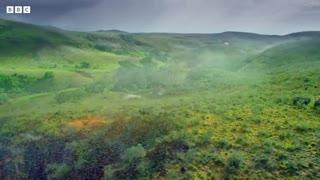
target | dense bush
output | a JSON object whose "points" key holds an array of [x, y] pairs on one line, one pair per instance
{"points": [[19, 84], [234, 162], [265, 163], [83, 65], [48, 75], [59, 171], [134, 152], [15, 83]]}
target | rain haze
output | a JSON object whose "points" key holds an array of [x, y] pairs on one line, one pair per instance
{"points": [[159, 89], [183, 16]]}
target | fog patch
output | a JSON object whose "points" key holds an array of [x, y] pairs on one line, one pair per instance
{"points": [[131, 96]]}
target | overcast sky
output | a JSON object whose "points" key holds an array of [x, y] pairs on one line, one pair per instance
{"points": [[184, 16]]}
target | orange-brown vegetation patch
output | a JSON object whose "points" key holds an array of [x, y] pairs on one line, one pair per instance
{"points": [[91, 123]]}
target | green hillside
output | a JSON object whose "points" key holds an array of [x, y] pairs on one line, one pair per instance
{"points": [[119, 105]]}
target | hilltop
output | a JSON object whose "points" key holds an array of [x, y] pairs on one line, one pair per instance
{"points": [[25, 41]]}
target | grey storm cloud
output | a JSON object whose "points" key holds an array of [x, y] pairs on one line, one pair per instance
{"points": [[204, 16], [68, 4], [43, 10]]}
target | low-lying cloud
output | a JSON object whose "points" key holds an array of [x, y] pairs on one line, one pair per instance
{"points": [[203, 16]]}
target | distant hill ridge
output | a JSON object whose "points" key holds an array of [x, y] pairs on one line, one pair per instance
{"points": [[112, 31], [230, 48], [226, 33]]}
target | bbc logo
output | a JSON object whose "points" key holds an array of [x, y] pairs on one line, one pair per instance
{"points": [[18, 9]]}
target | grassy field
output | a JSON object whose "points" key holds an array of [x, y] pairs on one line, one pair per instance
{"points": [[115, 105]]}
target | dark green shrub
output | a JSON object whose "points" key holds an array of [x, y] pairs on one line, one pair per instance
{"points": [[48, 75], [133, 164], [84, 65], [282, 99], [285, 135], [265, 163], [234, 162], [133, 153], [222, 144], [165, 152], [59, 171], [205, 139], [242, 140], [290, 167], [218, 160], [15, 84], [302, 128], [34, 160], [102, 47], [94, 155]]}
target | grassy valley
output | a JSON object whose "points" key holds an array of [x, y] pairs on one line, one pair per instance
{"points": [[118, 105]]}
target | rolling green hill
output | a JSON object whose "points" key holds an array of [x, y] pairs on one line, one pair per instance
{"points": [[119, 105]]}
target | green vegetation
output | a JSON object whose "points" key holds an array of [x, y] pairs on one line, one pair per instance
{"points": [[115, 105]]}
